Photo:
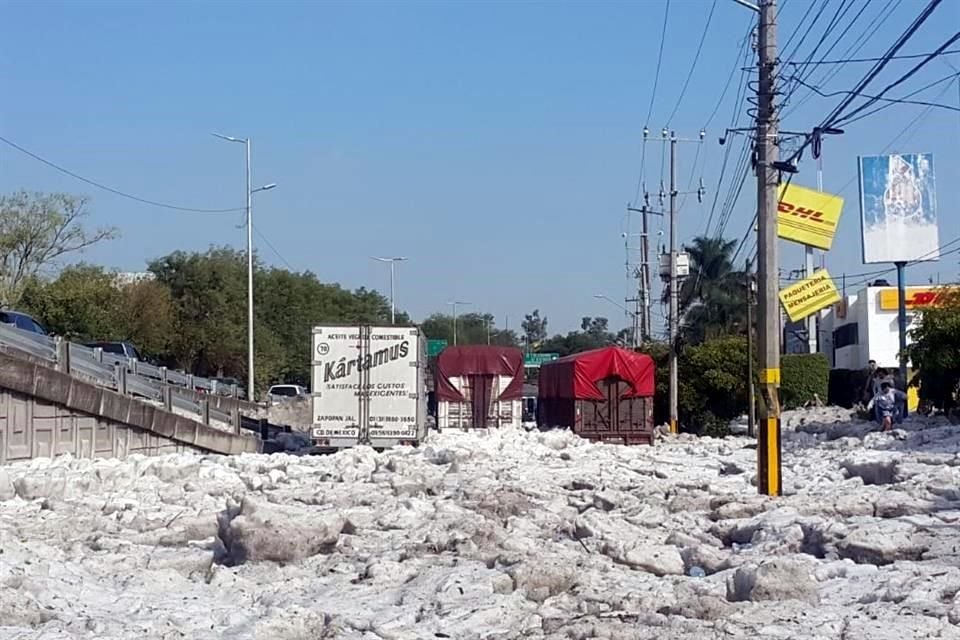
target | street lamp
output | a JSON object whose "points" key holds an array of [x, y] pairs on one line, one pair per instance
{"points": [[392, 262], [454, 304], [251, 392], [632, 314], [600, 296]]}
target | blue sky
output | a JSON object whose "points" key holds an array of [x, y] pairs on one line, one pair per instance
{"points": [[496, 144]]}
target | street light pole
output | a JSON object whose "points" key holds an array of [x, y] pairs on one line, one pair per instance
{"points": [[392, 262], [250, 357], [251, 390], [454, 305]]}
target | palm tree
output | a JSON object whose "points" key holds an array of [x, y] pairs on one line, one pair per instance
{"points": [[712, 300]]}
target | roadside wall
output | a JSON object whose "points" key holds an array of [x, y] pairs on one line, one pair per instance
{"points": [[44, 412]]}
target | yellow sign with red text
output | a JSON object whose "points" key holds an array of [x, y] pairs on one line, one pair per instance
{"points": [[809, 296], [807, 216], [917, 297]]}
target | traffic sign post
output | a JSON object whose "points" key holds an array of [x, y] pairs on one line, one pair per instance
{"points": [[434, 347], [535, 360]]}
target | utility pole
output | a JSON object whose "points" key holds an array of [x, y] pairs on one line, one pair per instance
{"points": [[751, 390], [674, 292], [769, 475], [645, 276], [672, 275], [644, 318]]}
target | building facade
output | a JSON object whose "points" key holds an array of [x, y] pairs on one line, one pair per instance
{"points": [[863, 326]]}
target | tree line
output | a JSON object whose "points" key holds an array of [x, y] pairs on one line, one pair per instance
{"points": [[191, 313]]}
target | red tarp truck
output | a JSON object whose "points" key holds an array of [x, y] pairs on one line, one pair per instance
{"points": [[604, 395], [479, 387]]}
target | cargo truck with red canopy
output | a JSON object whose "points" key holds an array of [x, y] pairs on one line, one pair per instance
{"points": [[479, 387], [603, 395]]}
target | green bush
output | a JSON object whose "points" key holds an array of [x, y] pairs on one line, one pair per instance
{"points": [[804, 378], [660, 353], [935, 354], [713, 385]]}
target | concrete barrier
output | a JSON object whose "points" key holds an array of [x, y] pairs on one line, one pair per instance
{"points": [[44, 412]]}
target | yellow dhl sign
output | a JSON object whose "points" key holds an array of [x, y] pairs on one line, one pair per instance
{"points": [[807, 216], [809, 296], [917, 297]]}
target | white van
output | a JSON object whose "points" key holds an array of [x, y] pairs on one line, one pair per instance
{"points": [[284, 392]]}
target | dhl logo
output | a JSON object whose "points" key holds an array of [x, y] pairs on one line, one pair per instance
{"points": [[926, 298], [811, 215], [916, 298]]}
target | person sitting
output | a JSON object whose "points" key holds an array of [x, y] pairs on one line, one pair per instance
{"points": [[887, 405]]}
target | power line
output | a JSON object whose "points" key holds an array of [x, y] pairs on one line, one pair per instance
{"points": [[912, 56], [891, 101], [843, 7], [902, 133], [653, 98], [805, 70], [939, 250], [799, 26], [273, 248], [837, 114], [696, 58], [656, 77], [873, 100], [865, 36], [733, 71], [893, 141], [111, 189]]}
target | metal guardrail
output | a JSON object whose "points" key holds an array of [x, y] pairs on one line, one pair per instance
{"points": [[175, 390]]}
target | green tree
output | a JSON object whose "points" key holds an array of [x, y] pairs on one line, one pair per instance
{"points": [[210, 309], [712, 300], [82, 303], [292, 304], [36, 231], [145, 317], [594, 333], [534, 330], [472, 328], [935, 354]]}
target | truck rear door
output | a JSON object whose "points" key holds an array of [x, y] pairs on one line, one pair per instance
{"points": [[336, 386], [392, 385]]}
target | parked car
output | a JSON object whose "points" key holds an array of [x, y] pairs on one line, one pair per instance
{"points": [[225, 385], [22, 321], [122, 349], [284, 392]]}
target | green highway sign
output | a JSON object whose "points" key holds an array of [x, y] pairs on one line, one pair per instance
{"points": [[533, 360], [434, 347]]}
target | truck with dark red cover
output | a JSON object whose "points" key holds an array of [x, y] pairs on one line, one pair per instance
{"points": [[479, 387], [604, 395]]}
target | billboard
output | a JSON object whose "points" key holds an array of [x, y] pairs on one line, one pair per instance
{"points": [[807, 216], [898, 208], [809, 296]]}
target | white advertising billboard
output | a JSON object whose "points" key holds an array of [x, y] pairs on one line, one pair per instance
{"points": [[898, 208]]}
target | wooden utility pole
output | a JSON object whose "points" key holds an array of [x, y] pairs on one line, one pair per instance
{"points": [[769, 476], [751, 390], [647, 330]]}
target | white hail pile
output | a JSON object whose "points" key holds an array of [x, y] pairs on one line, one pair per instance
{"points": [[505, 534]]}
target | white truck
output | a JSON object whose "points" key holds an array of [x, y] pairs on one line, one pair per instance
{"points": [[368, 386]]}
